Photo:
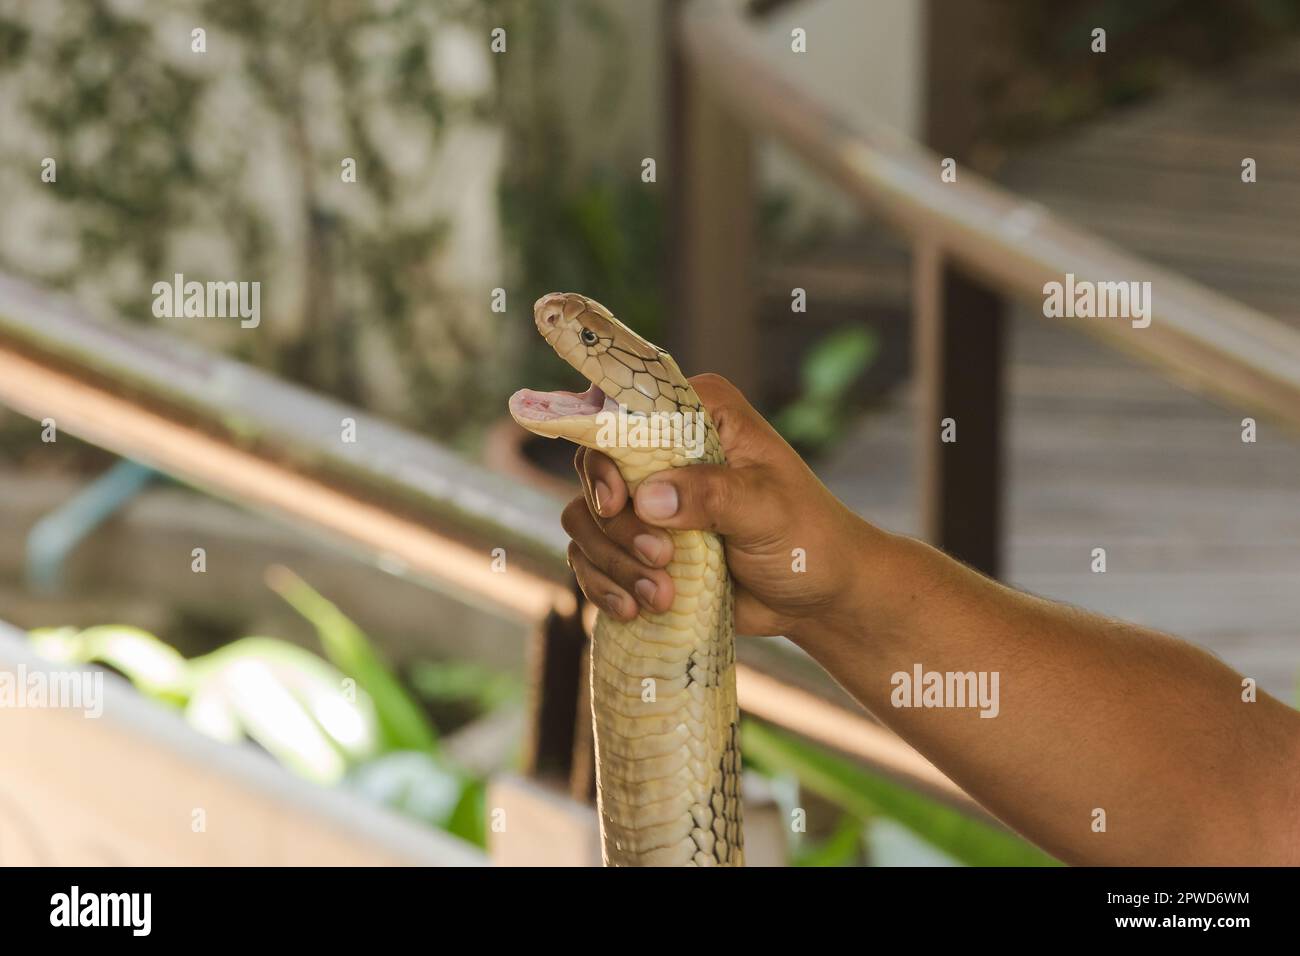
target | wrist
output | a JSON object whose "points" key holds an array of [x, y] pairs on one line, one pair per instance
{"points": [[886, 578]]}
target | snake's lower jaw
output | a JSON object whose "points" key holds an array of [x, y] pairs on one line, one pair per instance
{"points": [[561, 414]]}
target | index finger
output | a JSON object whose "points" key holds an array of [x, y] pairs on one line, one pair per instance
{"points": [[603, 486]]}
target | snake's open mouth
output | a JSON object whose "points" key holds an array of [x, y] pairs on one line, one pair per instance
{"points": [[528, 406]]}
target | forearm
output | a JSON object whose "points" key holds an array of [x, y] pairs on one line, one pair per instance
{"points": [[1092, 714]]}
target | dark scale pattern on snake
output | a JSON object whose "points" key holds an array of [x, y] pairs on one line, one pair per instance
{"points": [[663, 686]]}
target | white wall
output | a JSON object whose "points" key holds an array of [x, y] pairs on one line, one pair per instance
{"points": [[864, 57]]}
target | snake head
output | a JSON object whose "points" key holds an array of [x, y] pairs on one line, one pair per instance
{"points": [[626, 372]]}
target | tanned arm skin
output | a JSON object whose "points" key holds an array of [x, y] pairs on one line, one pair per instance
{"points": [[1093, 712]]}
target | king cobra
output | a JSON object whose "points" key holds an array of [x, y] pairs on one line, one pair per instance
{"points": [[663, 686]]}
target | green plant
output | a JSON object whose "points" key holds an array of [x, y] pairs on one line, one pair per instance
{"points": [[863, 795], [346, 721], [818, 417], [464, 682], [403, 724], [574, 223], [275, 693], [842, 848], [602, 236]]}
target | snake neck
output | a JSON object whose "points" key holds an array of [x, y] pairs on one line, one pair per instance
{"points": [[637, 462], [663, 692]]}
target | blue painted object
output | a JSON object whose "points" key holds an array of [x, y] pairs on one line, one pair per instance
{"points": [[56, 535]]}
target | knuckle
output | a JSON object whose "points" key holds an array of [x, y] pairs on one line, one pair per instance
{"points": [[571, 519], [603, 467], [623, 527], [592, 590], [712, 381], [622, 567], [718, 495], [717, 392]]}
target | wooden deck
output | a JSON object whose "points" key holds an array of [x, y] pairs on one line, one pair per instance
{"points": [[1163, 180], [1201, 531]]}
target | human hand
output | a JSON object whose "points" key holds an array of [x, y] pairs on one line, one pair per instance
{"points": [[765, 502]]}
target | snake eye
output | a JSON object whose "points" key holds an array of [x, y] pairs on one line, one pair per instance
{"points": [[588, 337]]}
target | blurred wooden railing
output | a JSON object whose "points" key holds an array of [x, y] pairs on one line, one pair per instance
{"points": [[975, 249]]}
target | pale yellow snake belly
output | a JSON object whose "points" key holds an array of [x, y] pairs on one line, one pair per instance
{"points": [[663, 686]]}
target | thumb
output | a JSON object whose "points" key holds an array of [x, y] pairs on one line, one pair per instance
{"points": [[700, 497]]}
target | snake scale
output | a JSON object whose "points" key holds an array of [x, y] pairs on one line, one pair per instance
{"points": [[663, 686]]}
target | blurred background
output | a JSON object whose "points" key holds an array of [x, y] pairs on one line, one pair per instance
{"points": [[691, 166]]}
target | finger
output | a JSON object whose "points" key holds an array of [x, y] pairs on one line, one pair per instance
{"points": [[653, 546], [652, 587], [580, 466], [600, 590], [714, 498], [606, 490]]}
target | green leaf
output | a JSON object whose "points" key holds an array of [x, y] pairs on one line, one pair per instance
{"points": [[834, 363], [413, 782], [250, 696], [830, 368], [808, 422], [291, 702], [841, 848], [403, 723], [464, 682], [157, 669], [469, 820], [864, 794]]}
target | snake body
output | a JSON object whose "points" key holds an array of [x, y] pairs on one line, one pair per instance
{"points": [[663, 686]]}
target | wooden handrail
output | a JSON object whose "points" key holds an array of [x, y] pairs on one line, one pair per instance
{"points": [[245, 435], [1212, 344]]}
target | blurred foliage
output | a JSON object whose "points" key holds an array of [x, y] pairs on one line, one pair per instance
{"points": [[465, 682], [603, 238], [823, 410], [347, 721], [863, 795], [1049, 78], [574, 226], [227, 165], [844, 846], [403, 724]]}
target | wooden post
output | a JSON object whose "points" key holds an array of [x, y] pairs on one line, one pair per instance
{"points": [[582, 770], [960, 37], [957, 324], [958, 327], [709, 184], [557, 651]]}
